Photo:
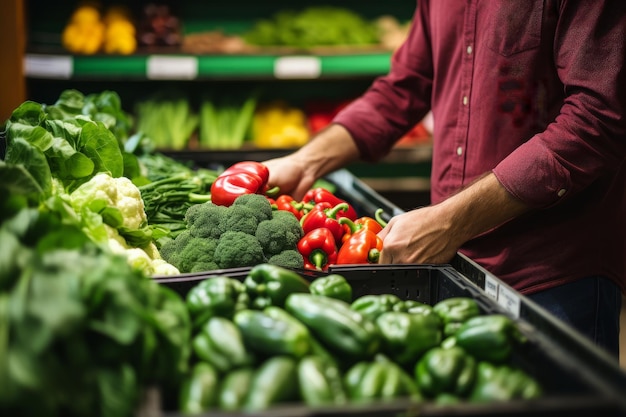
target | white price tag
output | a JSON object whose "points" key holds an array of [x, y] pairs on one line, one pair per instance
{"points": [[163, 67], [509, 300], [491, 286], [297, 67], [48, 66]]}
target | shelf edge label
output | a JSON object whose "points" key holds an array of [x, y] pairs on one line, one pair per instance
{"points": [[509, 300], [297, 67], [491, 287], [163, 67], [48, 66]]}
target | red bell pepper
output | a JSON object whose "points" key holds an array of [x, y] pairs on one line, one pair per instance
{"points": [[323, 216], [318, 248], [252, 167], [350, 227], [287, 203], [319, 195], [363, 247], [246, 177]]}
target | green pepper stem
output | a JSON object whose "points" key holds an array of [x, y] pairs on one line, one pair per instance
{"points": [[352, 225], [318, 259], [379, 219], [272, 192], [332, 212], [373, 256]]}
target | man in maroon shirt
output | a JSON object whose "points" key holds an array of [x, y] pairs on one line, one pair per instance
{"points": [[529, 152]]}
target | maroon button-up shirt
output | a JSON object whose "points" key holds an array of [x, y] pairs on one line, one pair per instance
{"points": [[534, 91]]}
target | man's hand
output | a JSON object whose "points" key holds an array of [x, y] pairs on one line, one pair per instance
{"points": [[419, 236], [329, 150], [434, 234]]}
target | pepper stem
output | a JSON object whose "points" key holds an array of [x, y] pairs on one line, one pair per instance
{"points": [[332, 212], [272, 192], [373, 256], [318, 259], [379, 219], [352, 225]]}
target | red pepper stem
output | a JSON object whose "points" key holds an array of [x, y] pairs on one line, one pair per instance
{"points": [[352, 225], [272, 192], [318, 259], [373, 256], [332, 213], [379, 219]]}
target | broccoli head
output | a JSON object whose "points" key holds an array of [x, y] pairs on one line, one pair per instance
{"points": [[260, 205], [239, 218], [205, 220], [289, 258], [189, 253], [236, 249], [279, 233]]}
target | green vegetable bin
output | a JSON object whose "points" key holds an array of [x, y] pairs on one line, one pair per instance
{"points": [[578, 378]]}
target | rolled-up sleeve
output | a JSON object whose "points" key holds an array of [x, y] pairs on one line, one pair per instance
{"points": [[587, 139]]}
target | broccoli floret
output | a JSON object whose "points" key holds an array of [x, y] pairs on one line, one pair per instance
{"points": [[291, 220], [239, 218], [189, 253], [205, 220], [259, 204], [289, 258], [237, 249], [280, 233]]}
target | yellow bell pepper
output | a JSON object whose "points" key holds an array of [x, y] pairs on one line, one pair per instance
{"points": [[279, 126]]}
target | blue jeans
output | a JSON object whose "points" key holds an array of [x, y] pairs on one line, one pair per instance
{"points": [[590, 305]]}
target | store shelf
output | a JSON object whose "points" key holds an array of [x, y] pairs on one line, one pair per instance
{"points": [[194, 67]]}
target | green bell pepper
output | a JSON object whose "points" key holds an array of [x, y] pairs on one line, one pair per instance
{"points": [[320, 382], [379, 380], [198, 390], [220, 343], [268, 284], [406, 336], [373, 305], [442, 370], [455, 311], [503, 383], [412, 306], [218, 296], [275, 381], [343, 331], [234, 388], [273, 331], [490, 337], [333, 286]]}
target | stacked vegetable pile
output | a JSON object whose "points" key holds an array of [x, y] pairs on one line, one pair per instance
{"points": [[278, 338], [90, 31], [82, 332], [73, 155], [237, 228], [332, 232], [314, 26]]}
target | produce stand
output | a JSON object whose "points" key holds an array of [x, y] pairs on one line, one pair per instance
{"points": [[579, 379]]}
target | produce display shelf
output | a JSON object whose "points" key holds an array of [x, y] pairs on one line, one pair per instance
{"points": [[573, 384], [579, 378], [196, 67]]}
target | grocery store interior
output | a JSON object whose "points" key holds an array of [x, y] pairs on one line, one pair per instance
{"points": [[184, 70]]}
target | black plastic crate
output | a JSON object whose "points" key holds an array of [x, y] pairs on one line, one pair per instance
{"points": [[572, 387]]}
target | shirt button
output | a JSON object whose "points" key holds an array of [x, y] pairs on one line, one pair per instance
{"points": [[459, 151], [465, 100], [561, 192], [469, 49]]}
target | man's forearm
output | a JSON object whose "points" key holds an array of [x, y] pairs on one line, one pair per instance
{"points": [[480, 207], [331, 149]]}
